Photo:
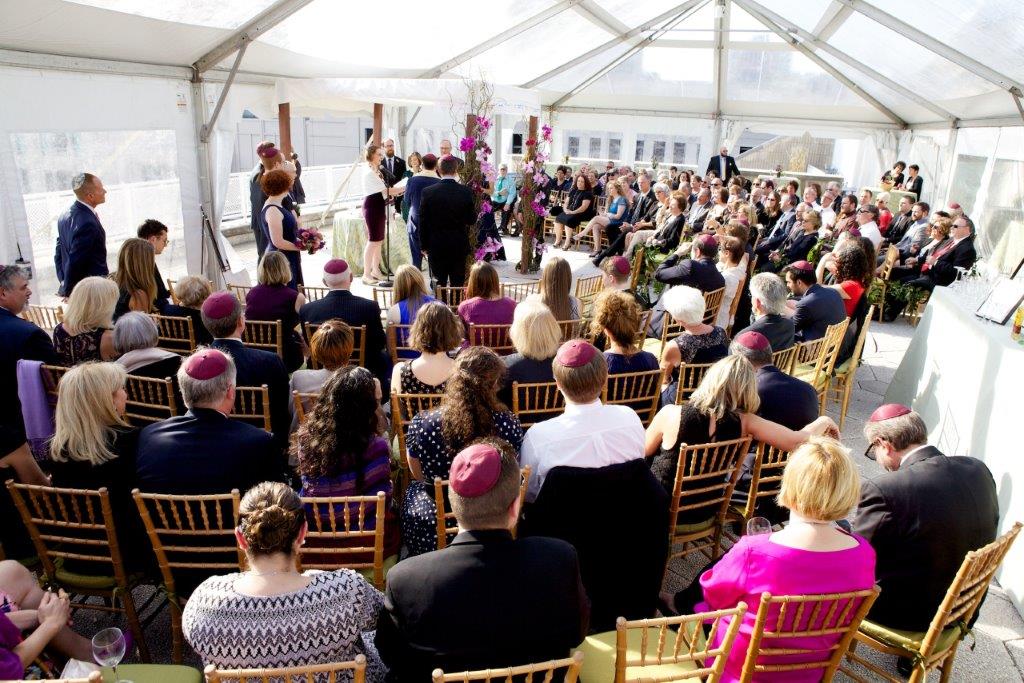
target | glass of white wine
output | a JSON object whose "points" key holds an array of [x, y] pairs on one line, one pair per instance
{"points": [[108, 647]]}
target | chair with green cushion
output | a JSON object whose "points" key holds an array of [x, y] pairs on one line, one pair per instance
{"points": [[153, 673], [74, 535], [765, 482], [652, 649], [346, 532], [937, 646], [705, 478], [844, 374]]}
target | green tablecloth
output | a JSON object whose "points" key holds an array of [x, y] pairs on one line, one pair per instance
{"points": [[153, 673], [350, 238]]}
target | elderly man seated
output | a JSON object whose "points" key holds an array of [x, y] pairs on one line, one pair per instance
{"points": [[768, 302]]}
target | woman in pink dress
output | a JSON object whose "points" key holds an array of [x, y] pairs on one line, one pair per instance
{"points": [[812, 555]]}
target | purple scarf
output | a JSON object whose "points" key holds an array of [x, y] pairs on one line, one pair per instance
{"points": [[35, 408]]}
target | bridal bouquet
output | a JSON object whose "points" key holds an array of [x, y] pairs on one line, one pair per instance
{"points": [[310, 240]]}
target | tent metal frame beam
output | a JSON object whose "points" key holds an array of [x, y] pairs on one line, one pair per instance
{"points": [[721, 61], [832, 20], [598, 16], [819, 44], [708, 116], [959, 58], [248, 32], [617, 40], [831, 70], [502, 37], [204, 132]]}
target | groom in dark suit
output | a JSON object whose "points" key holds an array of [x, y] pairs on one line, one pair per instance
{"points": [[81, 241], [445, 218], [723, 164]]}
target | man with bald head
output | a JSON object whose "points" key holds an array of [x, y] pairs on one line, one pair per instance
{"points": [[81, 249]]}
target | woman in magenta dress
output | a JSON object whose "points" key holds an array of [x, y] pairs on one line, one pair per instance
{"points": [[375, 207]]}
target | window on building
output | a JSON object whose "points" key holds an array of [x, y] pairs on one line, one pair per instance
{"points": [[595, 148], [517, 143], [659, 150], [574, 146], [614, 149], [639, 156], [679, 152]]}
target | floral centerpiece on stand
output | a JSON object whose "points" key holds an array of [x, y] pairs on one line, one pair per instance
{"points": [[532, 201]]}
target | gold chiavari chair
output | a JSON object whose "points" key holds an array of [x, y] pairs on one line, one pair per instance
{"points": [[398, 337], [494, 337], [240, 291], [845, 373], [637, 267], [149, 400], [765, 482], [303, 402], [690, 377], [713, 302], [637, 390], [534, 402], [450, 296], [543, 671], [404, 407], [587, 289], [818, 371], [785, 359], [264, 335], [385, 298], [447, 525], [734, 305], [330, 673], [519, 290], [571, 329], [45, 317], [313, 293], [52, 375], [252, 405], [892, 255], [175, 334], [345, 532]]}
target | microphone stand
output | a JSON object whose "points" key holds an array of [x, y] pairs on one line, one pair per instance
{"points": [[389, 202]]}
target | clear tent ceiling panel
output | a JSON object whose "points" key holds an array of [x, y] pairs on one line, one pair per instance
{"points": [[570, 78], [783, 76], [805, 14], [894, 100], [660, 72], [633, 13], [212, 13], [744, 27]]}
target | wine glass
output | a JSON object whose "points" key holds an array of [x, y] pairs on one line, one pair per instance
{"points": [[757, 526], [108, 648]]}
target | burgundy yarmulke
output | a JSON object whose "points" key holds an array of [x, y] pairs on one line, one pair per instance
{"points": [[336, 266], [707, 241], [802, 265], [575, 353], [889, 411], [447, 156], [206, 364], [429, 158], [755, 341], [621, 264], [268, 152], [475, 470], [219, 305], [854, 232]]}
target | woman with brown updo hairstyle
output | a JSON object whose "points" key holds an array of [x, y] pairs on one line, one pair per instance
{"points": [[469, 410], [230, 619], [617, 316], [279, 224]]}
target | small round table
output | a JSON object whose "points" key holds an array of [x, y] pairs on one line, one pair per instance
{"points": [[350, 238]]}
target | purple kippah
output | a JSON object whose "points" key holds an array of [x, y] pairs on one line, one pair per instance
{"points": [[707, 241], [889, 411], [755, 341], [336, 266], [219, 305], [206, 364], [475, 470], [802, 265], [429, 158], [268, 152], [621, 264], [575, 353]]}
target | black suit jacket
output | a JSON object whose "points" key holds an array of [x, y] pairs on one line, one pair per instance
{"points": [[643, 209], [203, 452], [671, 232], [487, 600], [394, 176], [943, 271], [914, 185], [355, 310], [446, 215], [731, 168], [922, 520], [816, 310], [779, 330], [898, 227], [698, 214], [19, 339], [255, 367], [81, 247], [700, 274], [778, 234], [785, 399]]}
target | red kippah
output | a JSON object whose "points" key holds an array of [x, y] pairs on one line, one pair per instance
{"points": [[575, 353], [801, 265], [889, 411], [752, 340], [336, 266], [621, 264], [475, 470], [219, 304], [206, 364]]}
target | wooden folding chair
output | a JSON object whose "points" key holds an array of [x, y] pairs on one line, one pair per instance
{"points": [[303, 402], [842, 381], [494, 337], [398, 343], [240, 292], [450, 296], [544, 672], [313, 293], [637, 267], [74, 536], [149, 400], [171, 284], [670, 329], [914, 313], [519, 290], [358, 356], [690, 377], [45, 317], [193, 537], [404, 407], [385, 298], [664, 649], [705, 478], [784, 620], [587, 289], [734, 306], [252, 405], [892, 255], [175, 334], [765, 482], [713, 302], [345, 532], [637, 390], [818, 371], [937, 646], [264, 335], [331, 673], [571, 329], [785, 359], [447, 525], [534, 402], [52, 375]]}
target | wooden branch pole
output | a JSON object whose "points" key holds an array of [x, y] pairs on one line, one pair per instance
{"points": [[530, 219], [378, 123], [284, 128]]}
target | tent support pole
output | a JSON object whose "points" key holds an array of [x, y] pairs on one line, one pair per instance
{"points": [[197, 237], [204, 133], [284, 128], [378, 122], [1016, 94]]}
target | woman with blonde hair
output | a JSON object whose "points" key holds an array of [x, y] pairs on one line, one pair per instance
{"points": [[536, 336], [723, 407], [484, 304], [86, 332], [136, 278], [436, 332], [555, 281], [190, 292], [273, 299], [410, 294]]}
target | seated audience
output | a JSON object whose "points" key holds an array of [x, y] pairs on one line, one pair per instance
{"points": [[909, 266], [940, 267], [436, 332], [669, 232], [723, 407], [617, 317], [86, 332], [469, 410], [222, 315], [531, 586], [915, 233], [536, 336], [812, 555], [644, 222], [816, 308], [734, 272], [798, 245], [191, 291], [340, 448], [135, 339], [204, 451], [356, 311], [555, 282], [901, 221], [698, 272], [410, 293], [922, 515], [272, 299], [768, 301], [136, 278], [588, 433], [578, 208], [156, 233], [330, 348], [272, 615], [484, 303], [611, 219], [697, 343]]}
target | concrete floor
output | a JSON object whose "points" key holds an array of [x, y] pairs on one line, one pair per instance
{"points": [[998, 654]]}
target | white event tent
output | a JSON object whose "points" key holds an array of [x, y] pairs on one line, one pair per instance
{"points": [[151, 93]]}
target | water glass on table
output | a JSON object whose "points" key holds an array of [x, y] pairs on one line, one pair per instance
{"points": [[108, 649]]}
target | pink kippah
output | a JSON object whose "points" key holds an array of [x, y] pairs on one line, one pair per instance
{"points": [[575, 353], [801, 265], [954, 205], [429, 157], [621, 264], [475, 470], [219, 305], [206, 364], [268, 152], [889, 411], [707, 241], [755, 341], [336, 266]]}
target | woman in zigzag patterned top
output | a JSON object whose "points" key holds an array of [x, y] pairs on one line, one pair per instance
{"points": [[273, 616]]}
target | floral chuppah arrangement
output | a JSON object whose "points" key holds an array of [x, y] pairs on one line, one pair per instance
{"points": [[533, 208], [477, 170]]}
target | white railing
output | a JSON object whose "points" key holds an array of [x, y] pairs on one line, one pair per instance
{"points": [[319, 182]]}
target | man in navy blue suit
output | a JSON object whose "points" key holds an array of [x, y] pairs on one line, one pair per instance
{"points": [[203, 451], [222, 316], [81, 241], [768, 301], [413, 190], [817, 306], [690, 265]]}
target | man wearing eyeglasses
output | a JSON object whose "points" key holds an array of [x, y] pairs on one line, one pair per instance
{"points": [[941, 268], [867, 223]]}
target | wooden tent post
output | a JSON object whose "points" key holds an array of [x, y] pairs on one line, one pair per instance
{"points": [[284, 128], [530, 219], [378, 123]]}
